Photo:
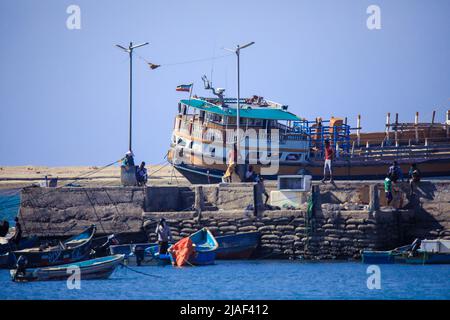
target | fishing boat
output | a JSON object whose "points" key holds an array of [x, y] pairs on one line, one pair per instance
{"points": [[430, 252], [419, 252], [237, 246], [278, 142], [74, 249], [197, 249], [7, 258], [25, 243], [384, 257], [98, 268]]}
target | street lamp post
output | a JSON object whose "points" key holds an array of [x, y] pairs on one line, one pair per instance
{"points": [[237, 51], [129, 50]]}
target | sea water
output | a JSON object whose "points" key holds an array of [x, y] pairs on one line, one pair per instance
{"points": [[9, 204], [264, 279]]}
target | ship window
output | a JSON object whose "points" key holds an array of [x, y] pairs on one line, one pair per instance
{"points": [[292, 157], [181, 142], [191, 144]]}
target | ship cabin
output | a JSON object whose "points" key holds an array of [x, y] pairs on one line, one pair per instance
{"points": [[201, 121]]}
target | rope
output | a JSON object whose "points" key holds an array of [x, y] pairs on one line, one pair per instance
{"points": [[140, 272], [95, 211], [186, 62], [89, 173]]}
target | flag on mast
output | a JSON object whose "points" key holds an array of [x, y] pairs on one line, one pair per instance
{"points": [[184, 87]]}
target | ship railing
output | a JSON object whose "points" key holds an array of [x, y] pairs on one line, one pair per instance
{"points": [[405, 152]]}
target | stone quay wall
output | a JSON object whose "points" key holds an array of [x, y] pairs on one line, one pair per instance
{"points": [[55, 212], [347, 218]]}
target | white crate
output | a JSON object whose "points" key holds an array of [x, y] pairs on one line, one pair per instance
{"points": [[294, 182], [287, 198]]}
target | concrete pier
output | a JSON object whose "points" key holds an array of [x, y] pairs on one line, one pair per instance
{"points": [[347, 217]]}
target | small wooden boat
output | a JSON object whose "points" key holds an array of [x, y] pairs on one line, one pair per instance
{"points": [[25, 243], [423, 257], [430, 252], [74, 249], [98, 268], [237, 246], [384, 257], [203, 251]]}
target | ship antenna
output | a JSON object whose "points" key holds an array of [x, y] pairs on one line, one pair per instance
{"points": [[218, 92]]}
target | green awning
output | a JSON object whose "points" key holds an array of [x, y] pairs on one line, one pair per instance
{"points": [[245, 112]]}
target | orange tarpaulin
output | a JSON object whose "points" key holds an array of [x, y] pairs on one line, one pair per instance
{"points": [[181, 251]]}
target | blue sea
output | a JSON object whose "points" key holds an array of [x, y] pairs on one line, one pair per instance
{"points": [[9, 204], [264, 279], [268, 279]]}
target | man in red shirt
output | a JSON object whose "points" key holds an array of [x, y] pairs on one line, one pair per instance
{"points": [[328, 158]]}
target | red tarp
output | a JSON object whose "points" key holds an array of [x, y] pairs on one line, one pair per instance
{"points": [[181, 251]]}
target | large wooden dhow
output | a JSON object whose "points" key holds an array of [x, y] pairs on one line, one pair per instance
{"points": [[205, 130]]}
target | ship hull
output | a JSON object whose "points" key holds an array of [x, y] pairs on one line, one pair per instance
{"points": [[198, 173]]}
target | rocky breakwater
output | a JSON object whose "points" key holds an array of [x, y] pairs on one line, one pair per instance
{"points": [[332, 232]]}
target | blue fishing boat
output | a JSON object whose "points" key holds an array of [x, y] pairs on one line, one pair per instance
{"points": [[435, 251], [204, 248], [237, 246], [98, 268], [74, 249], [423, 257], [384, 257], [25, 243]]}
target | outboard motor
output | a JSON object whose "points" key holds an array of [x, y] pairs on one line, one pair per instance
{"points": [[139, 253], [21, 267], [415, 245]]}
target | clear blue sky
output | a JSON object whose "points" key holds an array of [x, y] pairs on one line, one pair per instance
{"points": [[64, 93]]}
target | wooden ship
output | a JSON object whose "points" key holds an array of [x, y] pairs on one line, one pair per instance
{"points": [[205, 130]]}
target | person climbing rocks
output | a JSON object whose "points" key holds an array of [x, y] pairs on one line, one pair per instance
{"points": [[414, 176], [388, 189], [395, 172]]}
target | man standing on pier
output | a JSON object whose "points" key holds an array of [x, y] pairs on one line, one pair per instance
{"points": [[328, 159]]}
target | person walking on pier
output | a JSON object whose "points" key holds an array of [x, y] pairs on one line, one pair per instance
{"points": [[164, 235], [232, 162], [328, 159]]}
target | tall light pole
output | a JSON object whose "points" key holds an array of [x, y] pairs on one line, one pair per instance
{"points": [[237, 51], [129, 50]]}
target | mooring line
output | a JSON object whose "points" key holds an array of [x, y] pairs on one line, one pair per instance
{"points": [[140, 272]]}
